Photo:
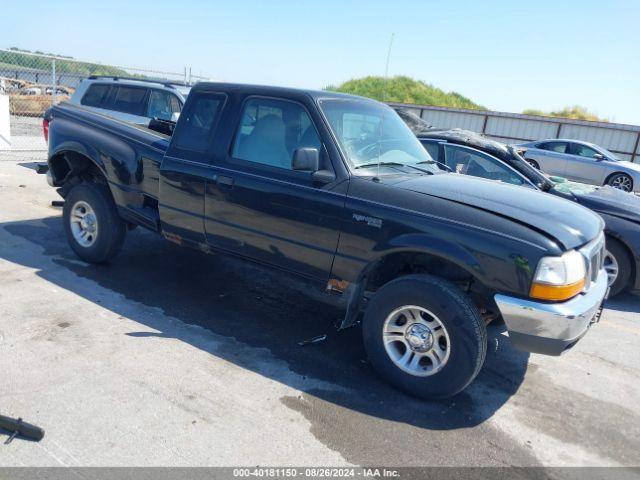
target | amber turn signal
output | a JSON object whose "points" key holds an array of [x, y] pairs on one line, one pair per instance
{"points": [[556, 292]]}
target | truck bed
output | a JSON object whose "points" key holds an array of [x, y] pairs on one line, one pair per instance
{"points": [[129, 155]]}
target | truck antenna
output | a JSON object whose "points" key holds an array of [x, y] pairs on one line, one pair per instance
{"points": [[384, 98]]}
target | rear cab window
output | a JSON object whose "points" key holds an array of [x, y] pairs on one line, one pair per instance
{"points": [[197, 126]]}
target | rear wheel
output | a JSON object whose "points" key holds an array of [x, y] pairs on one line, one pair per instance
{"points": [[94, 229], [617, 263], [621, 181], [533, 163], [424, 336]]}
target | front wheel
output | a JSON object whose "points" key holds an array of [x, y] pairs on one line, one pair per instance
{"points": [[621, 181], [424, 336], [617, 263], [94, 229]]}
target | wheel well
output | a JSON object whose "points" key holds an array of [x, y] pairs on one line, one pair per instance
{"points": [[407, 263], [400, 264], [628, 251], [71, 168], [606, 181]]}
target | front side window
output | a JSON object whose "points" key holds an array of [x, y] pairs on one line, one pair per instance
{"points": [[130, 100], [271, 130], [478, 164], [162, 105], [95, 96], [373, 136], [196, 128], [558, 147], [583, 150]]}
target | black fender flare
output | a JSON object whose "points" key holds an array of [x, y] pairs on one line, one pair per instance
{"points": [[420, 243], [75, 148]]}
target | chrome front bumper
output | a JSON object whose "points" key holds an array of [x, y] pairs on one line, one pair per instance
{"points": [[552, 328]]}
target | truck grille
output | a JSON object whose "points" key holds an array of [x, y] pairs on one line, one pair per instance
{"points": [[593, 253]]}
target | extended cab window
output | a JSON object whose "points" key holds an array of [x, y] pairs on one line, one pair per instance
{"points": [[163, 105], [130, 100], [196, 128], [272, 130], [477, 164], [96, 95]]}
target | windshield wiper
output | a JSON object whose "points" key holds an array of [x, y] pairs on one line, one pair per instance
{"points": [[394, 164], [381, 164], [435, 162]]}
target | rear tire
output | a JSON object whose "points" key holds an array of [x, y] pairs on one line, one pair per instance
{"points": [[93, 227], [617, 259], [621, 181], [455, 336], [533, 163]]}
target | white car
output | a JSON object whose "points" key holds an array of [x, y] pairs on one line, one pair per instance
{"points": [[132, 100], [582, 162]]}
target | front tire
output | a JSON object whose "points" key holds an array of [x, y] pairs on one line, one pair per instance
{"points": [[93, 227], [424, 336], [617, 263], [621, 181]]}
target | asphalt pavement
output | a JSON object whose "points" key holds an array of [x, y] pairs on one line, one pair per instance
{"points": [[169, 356]]}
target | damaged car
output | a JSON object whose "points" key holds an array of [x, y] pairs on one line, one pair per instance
{"points": [[469, 153]]}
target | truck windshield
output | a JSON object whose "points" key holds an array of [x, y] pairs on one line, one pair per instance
{"points": [[373, 136]]}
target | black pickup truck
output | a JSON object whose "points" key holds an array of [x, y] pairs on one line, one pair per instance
{"points": [[337, 190]]}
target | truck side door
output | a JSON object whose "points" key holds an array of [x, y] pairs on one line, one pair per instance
{"points": [[258, 207], [185, 168]]}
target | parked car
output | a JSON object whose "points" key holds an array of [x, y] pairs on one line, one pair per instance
{"points": [[131, 100], [59, 91], [309, 183], [582, 162], [470, 153], [30, 91]]}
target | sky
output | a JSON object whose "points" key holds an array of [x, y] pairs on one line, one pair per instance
{"points": [[505, 55]]}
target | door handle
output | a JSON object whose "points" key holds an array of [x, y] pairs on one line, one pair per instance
{"points": [[223, 180]]}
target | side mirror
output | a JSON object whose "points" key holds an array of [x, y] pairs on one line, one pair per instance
{"points": [[598, 156], [161, 126], [306, 159]]}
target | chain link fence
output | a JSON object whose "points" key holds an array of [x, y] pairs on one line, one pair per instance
{"points": [[30, 83]]}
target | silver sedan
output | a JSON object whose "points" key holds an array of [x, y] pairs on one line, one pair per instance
{"points": [[582, 162]]}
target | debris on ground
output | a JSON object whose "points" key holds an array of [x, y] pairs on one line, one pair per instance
{"points": [[18, 427], [309, 341]]}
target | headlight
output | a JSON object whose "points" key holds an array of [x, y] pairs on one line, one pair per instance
{"points": [[559, 278]]}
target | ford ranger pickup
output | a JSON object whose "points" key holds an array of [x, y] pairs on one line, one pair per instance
{"points": [[338, 191]]}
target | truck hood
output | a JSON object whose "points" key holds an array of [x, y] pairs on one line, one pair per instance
{"points": [[611, 201], [564, 221]]}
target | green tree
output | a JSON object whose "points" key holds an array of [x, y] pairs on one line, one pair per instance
{"points": [[16, 58], [403, 89], [575, 112]]}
